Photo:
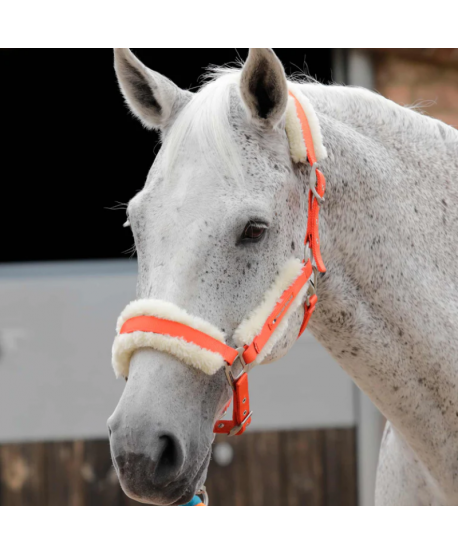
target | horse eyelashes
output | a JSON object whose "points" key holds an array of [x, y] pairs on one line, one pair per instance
{"points": [[253, 232]]}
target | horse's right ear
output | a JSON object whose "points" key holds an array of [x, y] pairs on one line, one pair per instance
{"points": [[153, 98], [263, 86]]}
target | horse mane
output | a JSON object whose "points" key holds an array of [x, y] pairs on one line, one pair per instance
{"points": [[208, 120]]}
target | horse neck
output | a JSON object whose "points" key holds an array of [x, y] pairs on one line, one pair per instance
{"points": [[388, 304]]}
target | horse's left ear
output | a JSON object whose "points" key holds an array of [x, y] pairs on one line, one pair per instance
{"points": [[153, 98], [263, 86]]}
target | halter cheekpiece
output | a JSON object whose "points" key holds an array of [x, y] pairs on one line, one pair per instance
{"points": [[168, 328]]}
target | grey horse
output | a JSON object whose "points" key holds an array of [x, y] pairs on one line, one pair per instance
{"points": [[388, 304]]}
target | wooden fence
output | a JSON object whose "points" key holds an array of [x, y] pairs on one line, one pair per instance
{"points": [[314, 467]]}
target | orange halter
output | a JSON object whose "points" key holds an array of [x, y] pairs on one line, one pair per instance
{"points": [[241, 416]]}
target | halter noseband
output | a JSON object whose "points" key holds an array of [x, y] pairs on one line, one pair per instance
{"points": [[187, 336]]}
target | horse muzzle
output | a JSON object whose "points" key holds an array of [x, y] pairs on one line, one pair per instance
{"points": [[162, 429], [158, 476]]}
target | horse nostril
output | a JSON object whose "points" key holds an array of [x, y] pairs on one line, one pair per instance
{"points": [[156, 468], [169, 461], [169, 454]]}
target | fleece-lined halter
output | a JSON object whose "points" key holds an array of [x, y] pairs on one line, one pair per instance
{"points": [[166, 327]]}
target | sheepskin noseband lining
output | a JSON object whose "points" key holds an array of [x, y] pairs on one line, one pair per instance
{"points": [[190, 353], [126, 344]]}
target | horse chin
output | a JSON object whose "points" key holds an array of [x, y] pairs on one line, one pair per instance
{"points": [[173, 494]]}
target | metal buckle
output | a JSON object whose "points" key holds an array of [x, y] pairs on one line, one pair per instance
{"points": [[235, 430], [231, 379], [312, 184], [228, 369], [312, 285]]}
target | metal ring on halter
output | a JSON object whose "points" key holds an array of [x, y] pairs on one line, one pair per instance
{"points": [[312, 183], [204, 493]]}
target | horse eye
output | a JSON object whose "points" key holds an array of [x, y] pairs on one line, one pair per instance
{"points": [[253, 231]]}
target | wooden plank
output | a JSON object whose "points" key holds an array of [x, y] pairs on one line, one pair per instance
{"points": [[302, 468], [100, 482], [340, 467], [22, 474], [287, 468], [243, 483], [62, 473], [263, 469]]}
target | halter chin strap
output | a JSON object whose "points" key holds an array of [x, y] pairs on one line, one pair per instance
{"points": [[198, 343]]}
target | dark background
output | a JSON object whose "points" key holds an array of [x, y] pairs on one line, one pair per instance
{"points": [[71, 150]]}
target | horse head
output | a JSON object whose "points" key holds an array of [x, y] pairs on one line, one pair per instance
{"points": [[221, 213]]}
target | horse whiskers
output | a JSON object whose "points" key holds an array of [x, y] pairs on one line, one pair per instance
{"points": [[120, 206], [132, 251], [117, 206]]}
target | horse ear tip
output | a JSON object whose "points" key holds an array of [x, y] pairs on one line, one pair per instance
{"points": [[261, 52], [122, 53]]}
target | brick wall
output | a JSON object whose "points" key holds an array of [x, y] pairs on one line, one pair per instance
{"points": [[411, 76]]}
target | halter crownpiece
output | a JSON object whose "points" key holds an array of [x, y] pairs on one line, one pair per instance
{"points": [[166, 327], [303, 135]]}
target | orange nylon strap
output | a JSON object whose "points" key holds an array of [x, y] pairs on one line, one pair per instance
{"points": [[275, 318], [152, 324], [241, 410], [308, 311], [241, 397], [312, 235]]}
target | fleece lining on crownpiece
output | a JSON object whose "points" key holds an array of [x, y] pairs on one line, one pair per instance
{"points": [[296, 140]]}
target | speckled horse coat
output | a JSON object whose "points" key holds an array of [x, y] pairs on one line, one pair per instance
{"points": [[388, 304]]}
